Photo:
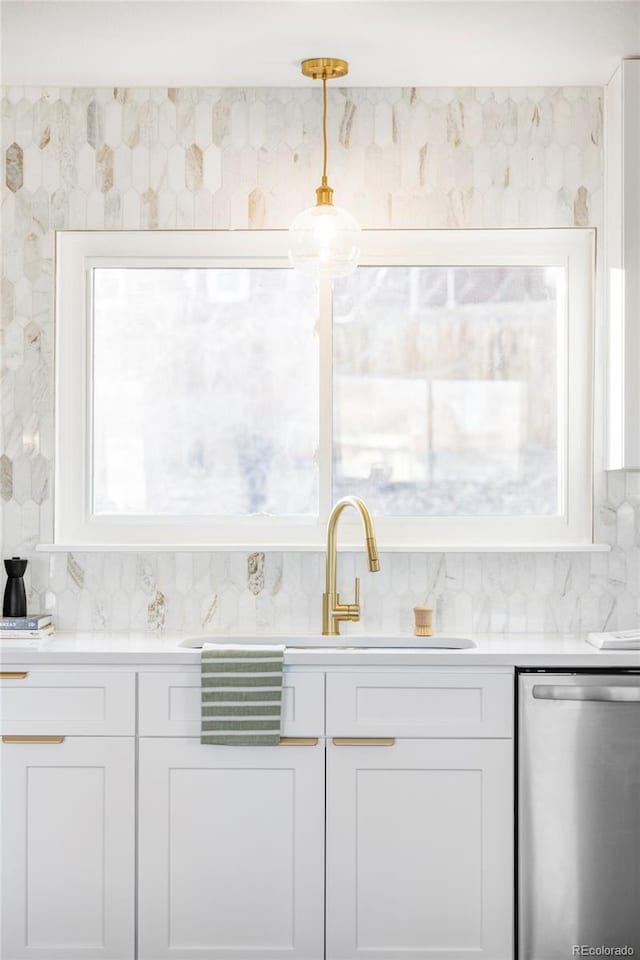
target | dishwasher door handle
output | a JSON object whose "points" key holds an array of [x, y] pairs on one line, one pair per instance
{"points": [[598, 694]]}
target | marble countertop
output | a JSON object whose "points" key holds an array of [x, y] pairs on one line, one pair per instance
{"points": [[508, 650]]}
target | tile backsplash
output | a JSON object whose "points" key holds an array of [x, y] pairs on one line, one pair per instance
{"points": [[237, 158]]}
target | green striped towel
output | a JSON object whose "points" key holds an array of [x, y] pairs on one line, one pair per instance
{"points": [[241, 694]]}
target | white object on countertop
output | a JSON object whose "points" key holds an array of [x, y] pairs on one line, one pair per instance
{"points": [[616, 640], [24, 640]]}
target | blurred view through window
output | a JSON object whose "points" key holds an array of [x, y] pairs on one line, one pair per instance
{"points": [[445, 391], [205, 392]]}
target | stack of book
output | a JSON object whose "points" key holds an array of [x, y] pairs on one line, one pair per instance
{"points": [[25, 633]]}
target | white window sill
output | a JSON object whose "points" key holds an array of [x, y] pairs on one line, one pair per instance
{"points": [[320, 548]]}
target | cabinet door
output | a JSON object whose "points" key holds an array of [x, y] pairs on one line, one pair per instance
{"points": [[68, 849], [420, 850], [231, 851]]}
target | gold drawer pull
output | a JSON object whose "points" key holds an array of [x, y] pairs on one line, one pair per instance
{"points": [[364, 741], [13, 675], [29, 739], [298, 741]]}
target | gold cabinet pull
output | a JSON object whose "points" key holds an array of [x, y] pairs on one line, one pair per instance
{"points": [[364, 741], [13, 675], [298, 741], [30, 739]]}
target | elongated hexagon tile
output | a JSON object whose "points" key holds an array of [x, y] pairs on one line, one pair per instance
{"points": [[167, 123], [113, 210], [257, 124], [203, 210], [95, 130], [32, 167], [104, 168], [122, 163], [6, 477], [148, 120], [14, 167], [176, 168], [111, 128], [39, 478], [193, 167], [220, 122], [581, 212], [185, 208], [140, 168], [563, 133], [24, 122], [167, 211], [203, 131], [185, 116], [212, 168]]}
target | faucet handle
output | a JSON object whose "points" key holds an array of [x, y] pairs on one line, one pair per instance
{"points": [[357, 599]]}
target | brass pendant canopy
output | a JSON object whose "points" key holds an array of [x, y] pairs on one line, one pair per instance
{"points": [[324, 68]]}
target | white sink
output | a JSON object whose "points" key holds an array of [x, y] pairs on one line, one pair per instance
{"points": [[311, 641]]}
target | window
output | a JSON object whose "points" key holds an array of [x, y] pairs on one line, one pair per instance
{"points": [[204, 393], [207, 394]]}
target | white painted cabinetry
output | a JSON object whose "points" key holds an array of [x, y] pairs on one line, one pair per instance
{"points": [[68, 842], [419, 850], [68, 813], [231, 851], [419, 815], [169, 704], [623, 264]]}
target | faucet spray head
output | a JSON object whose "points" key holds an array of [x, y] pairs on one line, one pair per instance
{"points": [[372, 551]]}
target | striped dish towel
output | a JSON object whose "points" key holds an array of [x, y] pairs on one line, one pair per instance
{"points": [[241, 694]]}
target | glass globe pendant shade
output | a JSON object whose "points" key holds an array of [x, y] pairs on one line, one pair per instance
{"points": [[324, 242]]}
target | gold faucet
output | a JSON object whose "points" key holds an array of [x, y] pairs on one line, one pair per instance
{"points": [[332, 610]]}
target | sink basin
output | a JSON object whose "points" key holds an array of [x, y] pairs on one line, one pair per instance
{"points": [[315, 641]]}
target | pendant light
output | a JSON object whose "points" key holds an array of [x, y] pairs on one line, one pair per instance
{"points": [[324, 240]]}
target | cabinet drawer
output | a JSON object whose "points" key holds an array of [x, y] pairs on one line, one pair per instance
{"points": [[68, 703], [419, 705], [170, 704]]}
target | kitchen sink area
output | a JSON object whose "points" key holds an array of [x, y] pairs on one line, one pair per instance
{"points": [[318, 641]]}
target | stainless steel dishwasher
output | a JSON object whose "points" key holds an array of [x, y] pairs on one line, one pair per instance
{"points": [[578, 814]]}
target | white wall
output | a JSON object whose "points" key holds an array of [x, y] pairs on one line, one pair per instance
{"points": [[260, 42]]}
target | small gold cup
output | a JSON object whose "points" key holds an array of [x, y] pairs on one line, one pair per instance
{"points": [[423, 621]]}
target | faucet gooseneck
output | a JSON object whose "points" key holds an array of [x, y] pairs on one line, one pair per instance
{"points": [[333, 611]]}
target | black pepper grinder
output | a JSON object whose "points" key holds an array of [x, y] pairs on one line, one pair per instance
{"points": [[15, 597]]}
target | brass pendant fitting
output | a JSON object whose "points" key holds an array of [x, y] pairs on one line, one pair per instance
{"points": [[324, 68], [324, 194]]}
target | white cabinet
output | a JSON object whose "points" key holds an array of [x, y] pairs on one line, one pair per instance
{"points": [[420, 830], [169, 704], [420, 850], [68, 819], [623, 264], [231, 840], [70, 702], [231, 851], [419, 703]]}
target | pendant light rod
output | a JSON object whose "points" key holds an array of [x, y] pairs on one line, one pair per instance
{"points": [[324, 131], [324, 68]]}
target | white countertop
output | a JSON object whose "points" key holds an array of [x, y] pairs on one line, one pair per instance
{"points": [[513, 650]]}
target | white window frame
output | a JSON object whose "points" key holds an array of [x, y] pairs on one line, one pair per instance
{"points": [[79, 252]]}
